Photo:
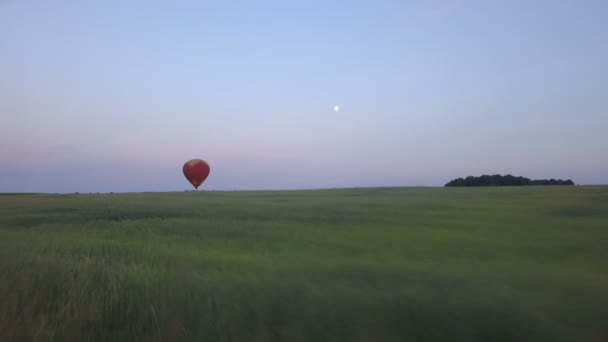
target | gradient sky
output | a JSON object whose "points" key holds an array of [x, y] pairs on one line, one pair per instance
{"points": [[116, 95]]}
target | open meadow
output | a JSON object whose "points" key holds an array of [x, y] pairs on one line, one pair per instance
{"points": [[369, 264]]}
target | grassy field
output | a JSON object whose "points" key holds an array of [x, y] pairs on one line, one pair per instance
{"points": [[394, 264]]}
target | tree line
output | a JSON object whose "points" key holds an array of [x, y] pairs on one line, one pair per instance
{"points": [[508, 180]]}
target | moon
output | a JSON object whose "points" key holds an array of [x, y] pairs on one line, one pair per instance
{"points": [[336, 108]]}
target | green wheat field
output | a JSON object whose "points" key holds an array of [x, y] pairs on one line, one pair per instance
{"points": [[370, 264]]}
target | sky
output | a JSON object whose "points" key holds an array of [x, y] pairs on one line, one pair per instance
{"points": [[100, 96]]}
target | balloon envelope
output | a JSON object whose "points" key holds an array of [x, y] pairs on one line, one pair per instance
{"points": [[196, 171]]}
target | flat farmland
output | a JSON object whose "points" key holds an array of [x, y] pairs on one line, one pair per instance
{"points": [[368, 264]]}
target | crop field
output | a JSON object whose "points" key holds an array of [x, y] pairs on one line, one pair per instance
{"points": [[369, 264]]}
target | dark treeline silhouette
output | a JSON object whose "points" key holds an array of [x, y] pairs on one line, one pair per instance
{"points": [[508, 180]]}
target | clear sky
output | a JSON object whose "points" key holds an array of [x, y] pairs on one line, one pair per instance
{"points": [[116, 95]]}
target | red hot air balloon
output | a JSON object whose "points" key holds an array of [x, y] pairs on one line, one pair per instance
{"points": [[196, 171]]}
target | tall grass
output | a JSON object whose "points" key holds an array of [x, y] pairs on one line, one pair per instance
{"points": [[394, 264]]}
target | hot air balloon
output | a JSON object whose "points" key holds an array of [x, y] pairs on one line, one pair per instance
{"points": [[196, 171]]}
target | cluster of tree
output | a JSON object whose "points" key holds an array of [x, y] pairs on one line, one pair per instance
{"points": [[552, 182], [508, 180]]}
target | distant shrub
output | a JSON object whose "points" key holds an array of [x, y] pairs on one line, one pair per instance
{"points": [[508, 180]]}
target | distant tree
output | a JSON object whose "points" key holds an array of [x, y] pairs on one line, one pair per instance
{"points": [[508, 180]]}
